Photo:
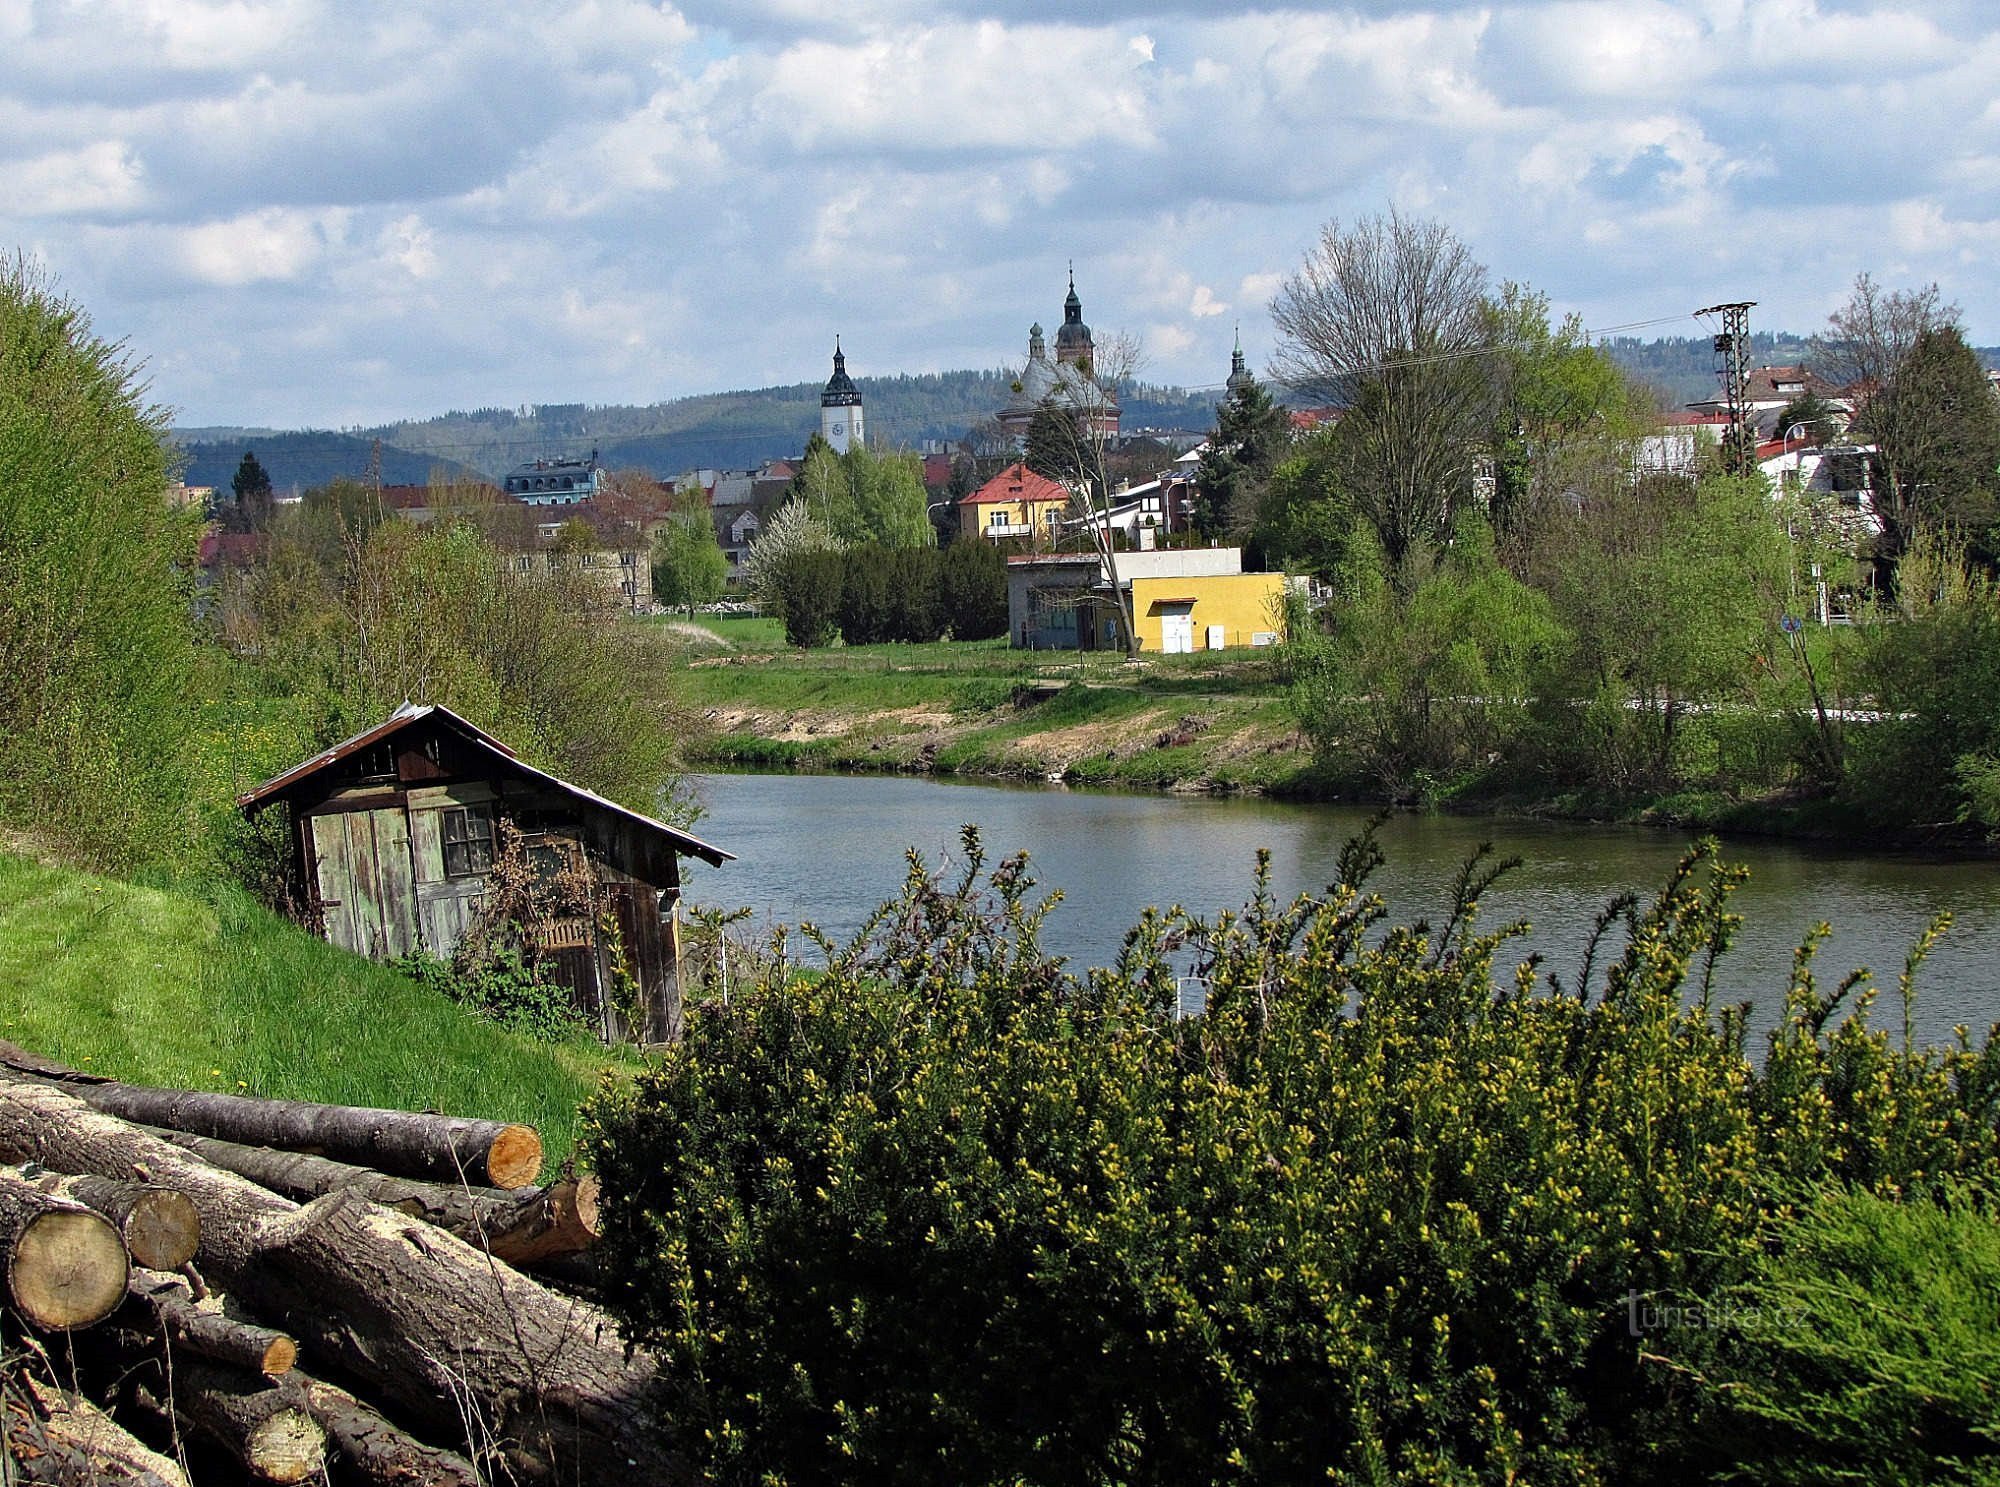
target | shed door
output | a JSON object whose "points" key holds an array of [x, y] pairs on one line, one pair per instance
{"points": [[1177, 629], [366, 888]]}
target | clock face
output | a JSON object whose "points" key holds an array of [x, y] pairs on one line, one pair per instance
{"points": [[838, 429]]}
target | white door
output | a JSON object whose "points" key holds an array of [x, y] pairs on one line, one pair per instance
{"points": [[1177, 631]]}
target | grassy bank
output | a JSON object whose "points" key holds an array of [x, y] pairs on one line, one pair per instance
{"points": [[1199, 722], [207, 990]]}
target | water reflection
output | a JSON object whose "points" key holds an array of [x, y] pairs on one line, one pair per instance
{"points": [[829, 848]]}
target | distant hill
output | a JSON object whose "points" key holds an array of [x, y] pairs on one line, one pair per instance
{"points": [[724, 430], [302, 460], [1684, 367]]}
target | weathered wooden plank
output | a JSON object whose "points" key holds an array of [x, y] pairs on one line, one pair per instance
{"points": [[336, 881], [426, 847], [366, 897], [398, 892]]}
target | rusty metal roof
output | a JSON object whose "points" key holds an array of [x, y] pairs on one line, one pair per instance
{"points": [[255, 800]]}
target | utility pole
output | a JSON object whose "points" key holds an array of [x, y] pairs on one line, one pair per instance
{"points": [[1732, 364]]}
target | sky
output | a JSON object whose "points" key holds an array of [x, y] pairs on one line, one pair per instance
{"points": [[324, 213]]}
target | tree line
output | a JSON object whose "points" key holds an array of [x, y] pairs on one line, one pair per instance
{"points": [[1523, 598]]}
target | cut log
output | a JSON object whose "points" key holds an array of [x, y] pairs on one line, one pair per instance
{"points": [[266, 1429], [556, 1220], [51, 1125], [368, 1451], [210, 1328], [432, 1322], [160, 1225], [70, 1440], [437, 1148], [415, 1317], [66, 1265]]}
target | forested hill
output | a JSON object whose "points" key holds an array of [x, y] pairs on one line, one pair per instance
{"points": [[724, 430], [1684, 367]]}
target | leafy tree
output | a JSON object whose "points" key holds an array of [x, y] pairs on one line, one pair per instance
{"points": [[1252, 433], [793, 529], [1865, 348], [1388, 319], [889, 500], [97, 653], [1810, 415], [1305, 520], [432, 613], [1940, 414], [1419, 682], [689, 566], [1564, 414]]}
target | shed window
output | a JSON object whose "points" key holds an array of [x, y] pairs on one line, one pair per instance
{"points": [[468, 842]]}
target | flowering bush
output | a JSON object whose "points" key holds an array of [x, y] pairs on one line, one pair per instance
{"points": [[947, 1211]]}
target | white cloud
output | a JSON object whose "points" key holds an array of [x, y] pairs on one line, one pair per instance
{"points": [[456, 204], [272, 244], [96, 179]]}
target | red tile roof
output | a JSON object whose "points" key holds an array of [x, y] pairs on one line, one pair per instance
{"points": [[1013, 485]]}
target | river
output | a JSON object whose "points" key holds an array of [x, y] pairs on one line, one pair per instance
{"points": [[829, 848]]}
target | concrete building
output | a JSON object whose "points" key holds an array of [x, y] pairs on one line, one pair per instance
{"points": [[1182, 600]]}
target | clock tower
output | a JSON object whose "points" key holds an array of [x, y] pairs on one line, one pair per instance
{"points": [[840, 407]]}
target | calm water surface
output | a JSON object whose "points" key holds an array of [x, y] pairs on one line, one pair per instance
{"points": [[829, 848]]}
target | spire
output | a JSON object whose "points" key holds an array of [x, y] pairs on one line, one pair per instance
{"points": [[840, 389], [1072, 306], [1036, 348], [1240, 379]]}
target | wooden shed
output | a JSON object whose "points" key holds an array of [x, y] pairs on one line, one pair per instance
{"points": [[400, 834]]}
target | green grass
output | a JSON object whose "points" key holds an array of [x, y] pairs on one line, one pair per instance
{"points": [[205, 989]]}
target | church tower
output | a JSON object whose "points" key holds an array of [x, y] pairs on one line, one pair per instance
{"points": [[840, 407], [1240, 381], [1073, 343]]}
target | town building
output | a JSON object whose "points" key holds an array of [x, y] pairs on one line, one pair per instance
{"points": [[554, 482], [1015, 503], [1179, 600], [399, 835]]}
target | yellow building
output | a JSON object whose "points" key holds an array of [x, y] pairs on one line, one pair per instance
{"points": [[1015, 503], [1182, 599], [1211, 613]]}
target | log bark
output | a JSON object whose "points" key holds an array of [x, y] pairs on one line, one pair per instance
{"points": [[556, 1220], [211, 1328], [70, 1440], [413, 1316], [368, 1451], [51, 1125], [264, 1428], [436, 1148], [433, 1323], [160, 1225], [66, 1265]]}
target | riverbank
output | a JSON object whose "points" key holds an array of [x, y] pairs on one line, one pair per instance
{"points": [[1204, 724]]}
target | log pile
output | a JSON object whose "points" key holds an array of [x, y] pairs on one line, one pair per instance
{"points": [[278, 1292]]}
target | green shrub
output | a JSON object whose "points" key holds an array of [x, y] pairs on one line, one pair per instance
{"points": [[1859, 1348], [972, 589], [97, 653], [947, 1211], [507, 986], [809, 586]]}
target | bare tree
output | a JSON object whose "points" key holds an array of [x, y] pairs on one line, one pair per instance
{"points": [[1083, 422], [1387, 318], [1868, 348]]}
